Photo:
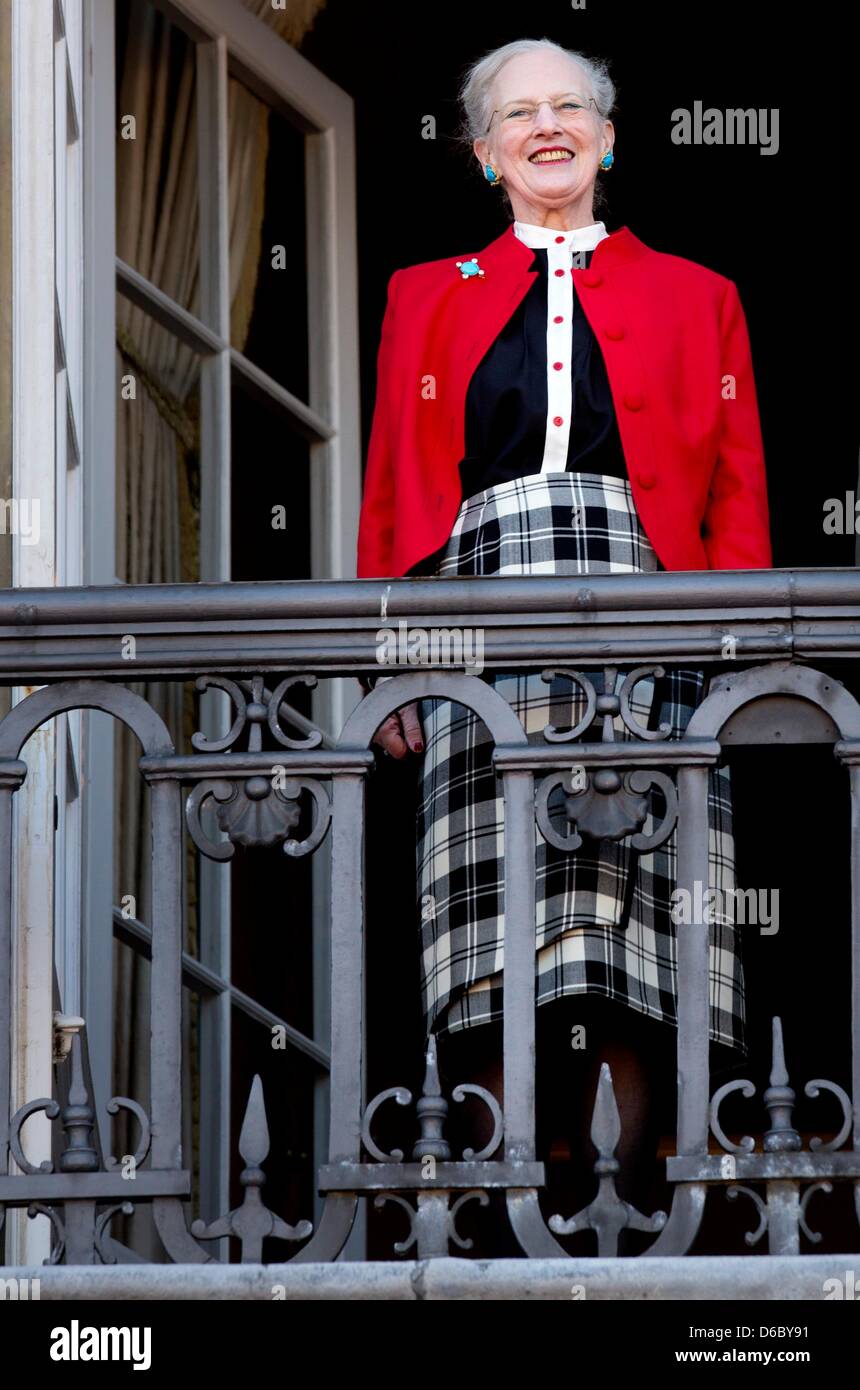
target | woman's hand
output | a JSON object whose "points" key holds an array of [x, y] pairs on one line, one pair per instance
{"points": [[401, 732]]}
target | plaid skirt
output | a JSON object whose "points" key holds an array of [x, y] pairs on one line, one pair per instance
{"points": [[603, 923]]}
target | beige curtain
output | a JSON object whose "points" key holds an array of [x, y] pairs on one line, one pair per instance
{"points": [[158, 448], [291, 19]]}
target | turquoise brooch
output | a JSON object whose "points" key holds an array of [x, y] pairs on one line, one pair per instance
{"points": [[469, 268]]}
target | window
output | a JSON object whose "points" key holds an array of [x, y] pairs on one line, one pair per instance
{"points": [[238, 456]]}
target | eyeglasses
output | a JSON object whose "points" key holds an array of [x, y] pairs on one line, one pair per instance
{"points": [[565, 107]]}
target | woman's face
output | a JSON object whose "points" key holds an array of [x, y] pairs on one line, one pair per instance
{"points": [[510, 145]]}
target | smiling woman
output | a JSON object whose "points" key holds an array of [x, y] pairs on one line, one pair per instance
{"points": [[579, 427], [524, 117]]}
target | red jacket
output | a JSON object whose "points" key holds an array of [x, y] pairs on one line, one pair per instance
{"points": [[674, 338]]}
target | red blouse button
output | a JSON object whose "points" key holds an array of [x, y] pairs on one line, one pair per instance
{"points": [[615, 332], [634, 400], [647, 480], [559, 272], [591, 279], [557, 420], [557, 366], [559, 238], [558, 319]]}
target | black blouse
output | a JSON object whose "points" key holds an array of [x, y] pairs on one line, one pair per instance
{"points": [[506, 403]]}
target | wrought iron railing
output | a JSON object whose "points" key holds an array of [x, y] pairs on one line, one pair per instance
{"points": [[768, 638]]}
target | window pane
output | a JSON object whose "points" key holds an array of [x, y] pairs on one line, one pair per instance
{"points": [[156, 151], [268, 247], [158, 452], [270, 493]]}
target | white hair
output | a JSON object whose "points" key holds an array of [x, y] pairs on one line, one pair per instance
{"points": [[475, 89]]}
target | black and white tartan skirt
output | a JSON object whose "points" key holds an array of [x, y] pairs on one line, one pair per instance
{"points": [[603, 923]]}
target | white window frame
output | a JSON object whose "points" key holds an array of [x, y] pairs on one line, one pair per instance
{"points": [[47, 440], [64, 451]]}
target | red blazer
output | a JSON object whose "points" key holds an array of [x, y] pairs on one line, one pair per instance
{"points": [[674, 338]]}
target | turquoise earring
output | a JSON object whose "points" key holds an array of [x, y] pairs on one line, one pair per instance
{"points": [[490, 174], [607, 161]]}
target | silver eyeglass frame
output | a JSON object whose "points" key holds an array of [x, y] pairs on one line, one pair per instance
{"points": [[587, 102]]}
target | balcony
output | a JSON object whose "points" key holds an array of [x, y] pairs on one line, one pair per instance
{"points": [[779, 646]]}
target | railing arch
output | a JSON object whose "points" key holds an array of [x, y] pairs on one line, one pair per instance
{"points": [[83, 1235], [813, 703]]}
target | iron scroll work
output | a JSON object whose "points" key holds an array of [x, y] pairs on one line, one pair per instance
{"points": [[300, 794]]}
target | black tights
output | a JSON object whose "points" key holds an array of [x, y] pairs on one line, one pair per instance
{"points": [[640, 1054]]}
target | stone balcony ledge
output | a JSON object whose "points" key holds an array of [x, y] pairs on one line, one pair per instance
{"points": [[675, 1278]]}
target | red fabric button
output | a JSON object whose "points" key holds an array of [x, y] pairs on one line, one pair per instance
{"points": [[591, 279], [634, 400], [647, 480], [559, 238], [557, 366], [557, 420], [615, 332], [559, 272], [558, 319]]}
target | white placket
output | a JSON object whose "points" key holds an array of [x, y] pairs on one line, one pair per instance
{"points": [[559, 349], [560, 248]]}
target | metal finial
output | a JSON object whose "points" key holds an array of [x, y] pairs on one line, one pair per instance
{"points": [[78, 1120], [607, 1214], [252, 1221], [779, 1098], [605, 1124], [432, 1111]]}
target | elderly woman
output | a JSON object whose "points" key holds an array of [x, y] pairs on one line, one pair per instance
{"points": [[566, 401]]}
